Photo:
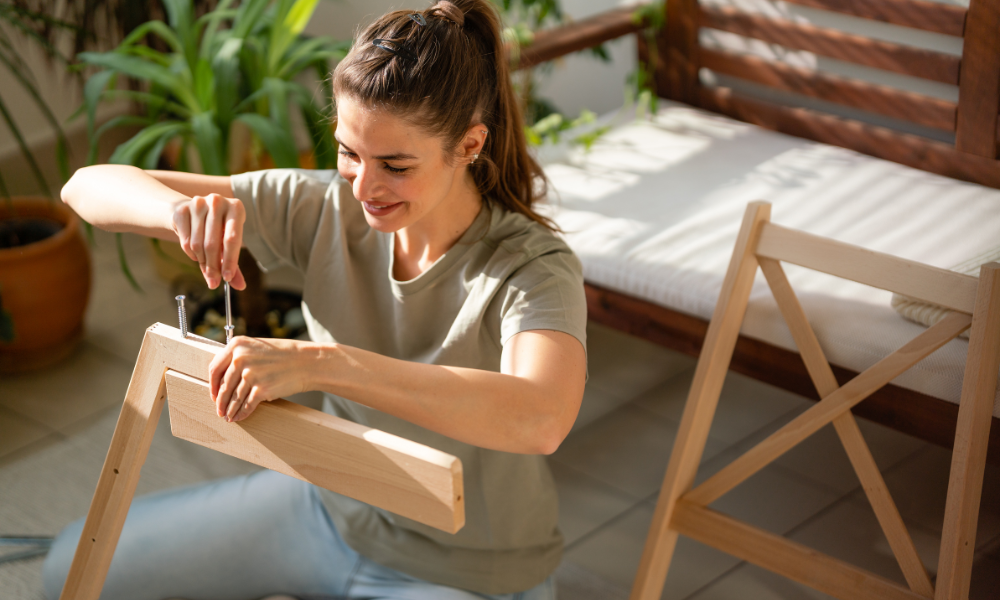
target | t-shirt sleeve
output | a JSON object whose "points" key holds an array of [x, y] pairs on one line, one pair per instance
{"points": [[284, 210], [546, 293]]}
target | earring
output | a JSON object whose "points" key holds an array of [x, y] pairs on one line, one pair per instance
{"points": [[483, 131], [474, 157]]}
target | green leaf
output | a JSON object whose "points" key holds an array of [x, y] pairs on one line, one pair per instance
{"points": [[210, 143], [123, 263], [278, 141], [158, 28], [92, 92], [143, 70], [277, 96], [204, 84], [132, 151], [287, 28], [25, 151], [248, 17], [226, 64], [119, 121]]}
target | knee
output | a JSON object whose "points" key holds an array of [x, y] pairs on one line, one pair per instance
{"points": [[60, 556]]}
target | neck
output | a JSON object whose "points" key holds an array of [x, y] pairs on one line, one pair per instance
{"points": [[419, 245]]}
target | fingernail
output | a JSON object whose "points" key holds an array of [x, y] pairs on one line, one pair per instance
{"points": [[227, 275]]}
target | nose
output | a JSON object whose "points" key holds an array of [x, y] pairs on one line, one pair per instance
{"points": [[365, 183]]}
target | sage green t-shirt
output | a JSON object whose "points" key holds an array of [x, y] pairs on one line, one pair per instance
{"points": [[506, 274]]}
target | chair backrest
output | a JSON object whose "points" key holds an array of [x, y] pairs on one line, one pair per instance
{"points": [[682, 508], [962, 137]]}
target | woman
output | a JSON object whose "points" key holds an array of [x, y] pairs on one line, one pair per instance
{"points": [[441, 308]]}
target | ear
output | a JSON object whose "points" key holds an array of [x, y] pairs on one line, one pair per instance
{"points": [[472, 144]]}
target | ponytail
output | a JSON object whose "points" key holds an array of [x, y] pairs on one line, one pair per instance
{"points": [[444, 69]]}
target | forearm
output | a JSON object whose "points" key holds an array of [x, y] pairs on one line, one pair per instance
{"points": [[123, 198], [482, 408]]}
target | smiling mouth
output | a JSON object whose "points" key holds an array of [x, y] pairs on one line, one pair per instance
{"points": [[379, 209]]}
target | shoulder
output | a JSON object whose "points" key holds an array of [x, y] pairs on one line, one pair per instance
{"points": [[270, 183], [522, 240]]}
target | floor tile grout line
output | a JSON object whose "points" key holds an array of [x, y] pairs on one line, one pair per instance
{"points": [[29, 448], [610, 522], [601, 482]]}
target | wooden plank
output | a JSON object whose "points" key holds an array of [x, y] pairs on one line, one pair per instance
{"points": [[958, 538], [926, 417], [945, 288], [847, 429], [580, 35], [910, 150], [379, 468], [679, 49], [879, 99], [929, 16], [129, 447], [701, 403], [809, 422], [979, 86], [795, 561], [916, 62]]}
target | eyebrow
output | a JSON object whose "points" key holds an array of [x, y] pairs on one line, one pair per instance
{"points": [[397, 156]]}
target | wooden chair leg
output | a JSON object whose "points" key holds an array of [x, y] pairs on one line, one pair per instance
{"points": [[700, 407], [116, 486], [968, 463]]}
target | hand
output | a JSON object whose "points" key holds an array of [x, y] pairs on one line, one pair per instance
{"points": [[210, 229], [251, 370]]}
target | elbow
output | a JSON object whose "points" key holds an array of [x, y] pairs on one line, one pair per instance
{"points": [[551, 435]]}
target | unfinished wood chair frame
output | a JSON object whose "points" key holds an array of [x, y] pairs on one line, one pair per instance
{"points": [[379, 468], [682, 508]]}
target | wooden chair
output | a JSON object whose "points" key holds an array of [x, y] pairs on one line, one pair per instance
{"points": [[683, 509], [379, 468]]}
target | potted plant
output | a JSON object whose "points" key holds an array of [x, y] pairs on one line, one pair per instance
{"points": [[230, 68]]}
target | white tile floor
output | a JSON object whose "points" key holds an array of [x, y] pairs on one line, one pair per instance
{"points": [[608, 470]]}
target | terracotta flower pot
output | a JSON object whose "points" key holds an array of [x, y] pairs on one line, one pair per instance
{"points": [[44, 286]]}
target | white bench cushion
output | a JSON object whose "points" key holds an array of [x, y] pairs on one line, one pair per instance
{"points": [[653, 211]]}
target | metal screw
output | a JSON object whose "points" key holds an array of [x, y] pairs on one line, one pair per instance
{"points": [[182, 315], [229, 317]]}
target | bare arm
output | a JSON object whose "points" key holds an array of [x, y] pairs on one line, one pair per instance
{"points": [[529, 407], [198, 211]]}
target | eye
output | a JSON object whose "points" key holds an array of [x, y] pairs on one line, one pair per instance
{"points": [[347, 154], [396, 170]]}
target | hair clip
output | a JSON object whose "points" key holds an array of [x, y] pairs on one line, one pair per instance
{"points": [[419, 18], [395, 48]]}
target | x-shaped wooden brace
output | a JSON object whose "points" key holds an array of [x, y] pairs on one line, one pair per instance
{"points": [[384, 470], [682, 509]]}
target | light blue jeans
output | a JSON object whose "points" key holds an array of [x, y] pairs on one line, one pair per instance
{"points": [[241, 539]]}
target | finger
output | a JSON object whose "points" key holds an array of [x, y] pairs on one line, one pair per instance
{"points": [[217, 370], [250, 404], [215, 220], [182, 227], [230, 385], [232, 240], [239, 398], [238, 282], [198, 214]]}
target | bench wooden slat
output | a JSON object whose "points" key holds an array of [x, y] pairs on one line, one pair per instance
{"points": [[979, 89], [919, 109], [583, 34], [909, 150], [929, 16], [945, 288], [917, 62]]}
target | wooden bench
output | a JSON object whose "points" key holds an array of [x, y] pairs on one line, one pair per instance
{"points": [[973, 157]]}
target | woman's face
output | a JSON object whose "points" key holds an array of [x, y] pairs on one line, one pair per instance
{"points": [[400, 174]]}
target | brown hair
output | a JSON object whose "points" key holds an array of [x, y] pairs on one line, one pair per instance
{"points": [[444, 69]]}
